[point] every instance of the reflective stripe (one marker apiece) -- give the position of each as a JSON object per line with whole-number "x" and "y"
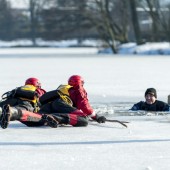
{"x": 93, "y": 114}
{"x": 28, "y": 88}
{"x": 33, "y": 101}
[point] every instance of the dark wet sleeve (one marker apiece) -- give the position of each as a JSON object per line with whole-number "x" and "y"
{"x": 166, "y": 107}
{"x": 136, "y": 106}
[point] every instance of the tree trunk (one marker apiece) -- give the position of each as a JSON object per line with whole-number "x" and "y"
{"x": 135, "y": 21}
{"x": 33, "y": 22}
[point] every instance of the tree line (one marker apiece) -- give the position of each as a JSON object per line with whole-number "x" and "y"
{"x": 112, "y": 21}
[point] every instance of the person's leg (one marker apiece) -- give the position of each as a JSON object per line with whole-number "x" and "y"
{"x": 77, "y": 121}
{"x": 81, "y": 121}
{"x": 32, "y": 119}
{"x": 9, "y": 114}
{"x": 64, "y": 113}
{"x": 12, "y": 113}
{"x": 71, "y": 119}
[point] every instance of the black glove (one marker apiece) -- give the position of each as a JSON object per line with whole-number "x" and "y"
{"x": 100, "y": 119}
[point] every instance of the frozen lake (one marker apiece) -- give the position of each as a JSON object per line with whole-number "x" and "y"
{"x": 112, "y": 82}
{"x": 108, "y": 78}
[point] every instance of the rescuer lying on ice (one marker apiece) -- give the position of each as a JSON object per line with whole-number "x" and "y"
{"x": 22, "y": 103}
{"x": 69, "y": 104}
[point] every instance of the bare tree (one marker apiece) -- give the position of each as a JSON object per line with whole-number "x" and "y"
{"x": 111, "y": 23}
{"x": 160, "y": 17}
{"x": 165, "y": 21}
{"x": 152, "y": 8}
{"x": 35, "y": 6}
{"x": 135, "y": 21}
{"x": 64, "y": 19}
{"x": 6, "y": 20}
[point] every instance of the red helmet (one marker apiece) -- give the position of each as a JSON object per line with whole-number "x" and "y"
{"x": 33, "y": 81}
{"x": 75, "y": 80}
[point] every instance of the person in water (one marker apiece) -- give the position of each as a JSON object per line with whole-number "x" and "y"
{"x": 151, "y": 103}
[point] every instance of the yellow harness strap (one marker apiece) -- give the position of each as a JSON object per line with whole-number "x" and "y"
{"x": 64, "y": 94}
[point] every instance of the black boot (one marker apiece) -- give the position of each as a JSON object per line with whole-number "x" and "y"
{"x": 50, "y": 121}
{"x": 61, "y": 118}
{"x": 5, "y": 117}
{"x": 0, "y": 112}
{"x": 9, "y": 114}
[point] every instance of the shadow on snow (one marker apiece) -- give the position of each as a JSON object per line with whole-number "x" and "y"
{"x": 81, "y": 143}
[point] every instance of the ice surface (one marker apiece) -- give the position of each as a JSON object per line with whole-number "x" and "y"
{"x": 112, "y": 82}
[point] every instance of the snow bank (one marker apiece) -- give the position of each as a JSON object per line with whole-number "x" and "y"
{"x": 162, "y": 48}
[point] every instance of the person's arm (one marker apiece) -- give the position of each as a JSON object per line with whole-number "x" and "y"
{"x": 136, "y": 106}
{"x": 82, "y": 102}
{"x": 166, "y": 107}
{"x": 80, "y": 99}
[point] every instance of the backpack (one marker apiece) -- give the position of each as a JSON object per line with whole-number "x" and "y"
{"x": 24, "y": 93}
{"x": 27, "y": 92}
{"x": 60, "y": 92}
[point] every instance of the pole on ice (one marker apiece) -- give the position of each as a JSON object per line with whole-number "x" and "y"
{"x": 116, "y": 121}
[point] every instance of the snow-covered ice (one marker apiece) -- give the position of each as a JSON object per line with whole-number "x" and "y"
{"x": 112, "y": 82}
{"x": 107, "y": 146}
